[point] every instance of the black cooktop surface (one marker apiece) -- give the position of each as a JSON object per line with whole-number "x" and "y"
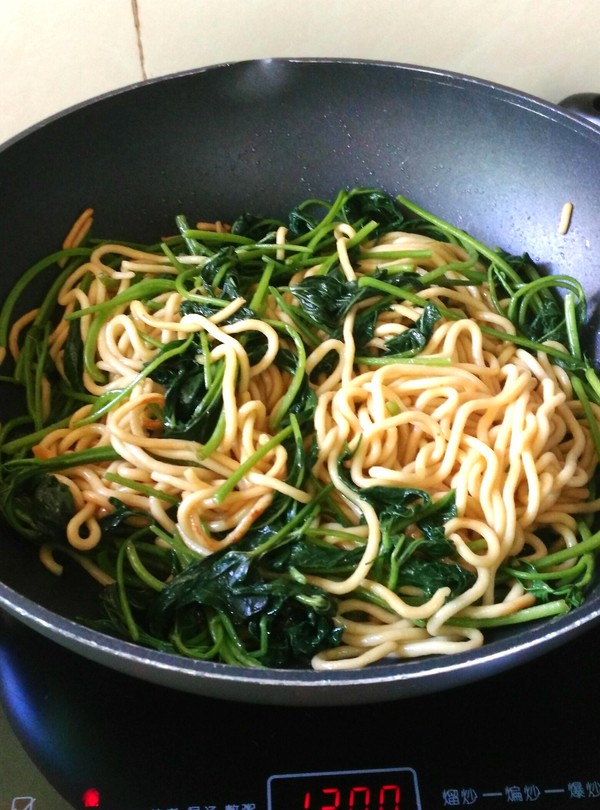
{"x": 525, "y": 738}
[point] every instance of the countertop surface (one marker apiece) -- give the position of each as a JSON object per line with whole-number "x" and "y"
{"x": 22, "y": 786}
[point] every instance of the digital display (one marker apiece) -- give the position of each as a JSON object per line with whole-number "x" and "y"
{"x": 382, "y": 789}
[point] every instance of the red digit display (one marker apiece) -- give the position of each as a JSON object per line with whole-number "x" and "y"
{"x": 360, "y": 798}
{"x": 389, "y": 797}
{"x": 331, "y": 793}
{"x": 384, "y": 789}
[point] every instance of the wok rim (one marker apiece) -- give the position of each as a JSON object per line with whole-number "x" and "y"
{"x": 392, "y": 680}
{"x": 531, "y": 100}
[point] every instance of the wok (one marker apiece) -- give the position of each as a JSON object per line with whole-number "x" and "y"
{"x": 261, "y": 136}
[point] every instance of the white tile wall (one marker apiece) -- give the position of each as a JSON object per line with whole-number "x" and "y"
{"x": 55, "y": 53}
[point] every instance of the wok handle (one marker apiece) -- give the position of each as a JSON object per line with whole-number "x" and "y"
{"x": 585, "y": 104}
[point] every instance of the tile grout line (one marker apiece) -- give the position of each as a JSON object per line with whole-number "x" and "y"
{"x": 138, "y": 34}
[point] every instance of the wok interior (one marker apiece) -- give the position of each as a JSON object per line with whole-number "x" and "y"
{"x": 262, "y": 136}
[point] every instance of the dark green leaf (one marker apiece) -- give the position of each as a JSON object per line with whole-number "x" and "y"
{"x": 430, "y": 575}
{"x": 255, "y": 227}
{"x": 373, "y": 204}
{"x": 73, "y": 357}
{"x": 327, "y": 299}
{"x": 191, "y": 410}
{"x": 118, "y": 520}
{"x": 298, "y": 618}
{"x": 312, "y": 558}
{"x": 416, "y": 337}
{"x": 38, "y": 506}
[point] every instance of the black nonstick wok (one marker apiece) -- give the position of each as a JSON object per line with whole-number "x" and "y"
{"x": 261, "y": 136}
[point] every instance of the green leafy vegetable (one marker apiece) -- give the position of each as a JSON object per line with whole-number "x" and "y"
{"x": 38, "y": 506}
{"x": 415, "y": 338}
{"x": 256, "y": 603}
{"x": 295, "y": 617}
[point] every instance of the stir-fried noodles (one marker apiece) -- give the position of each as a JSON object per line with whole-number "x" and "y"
{"x": 353, "y": 435}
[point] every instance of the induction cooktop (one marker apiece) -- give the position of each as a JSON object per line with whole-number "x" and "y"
{"x": 526, "y": 738}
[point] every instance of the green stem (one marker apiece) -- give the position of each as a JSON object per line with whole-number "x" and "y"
{"x": 66, "y": 461}
{"x": 401, "y": 293}
{"x": 396, "y": 359}
{"x": 31, "y": 439}
{"x": 591, "y": 377}
{"x": 26, "y": 279}
{"x": 140, "y": 569}
{"x": 326, "y": 224}
{"x": 541, "y": 576}
{"x": 149, "y": 288}
{"x": 130, "y": 623}
{"x": 437, "y": 276}
{"x": 224, "y": 237}
{"x": 557, "y": 607}
{"x": 258, "y": 299}
{"x": 571, "y": 323}
{"x": 396, "y": 254}
{"x": 89, "y": 348}
{"x": 209, "y": 447}
{"x": 245, "y": 467}
{"x": 528, "y": 344}
{"x": 362, "y": 234}
{"x": 588, "y": 545}
{"x": 302, "y": 517}
{"x": 293, "y": 388}
{"x": 137, "y": 486}
{"x": 462, "y": 237}
{"x": 194, "y": 247}
{"x": 108, "y": 401}
{"x": 296, "y": 315}
{"x": 581, "y": 394}
{"x": 184, "y": 554}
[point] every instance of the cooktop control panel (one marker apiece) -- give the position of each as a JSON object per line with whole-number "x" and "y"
{"x": 379, "y": 789}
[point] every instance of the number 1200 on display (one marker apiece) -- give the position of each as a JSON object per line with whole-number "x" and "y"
{"x": 383, "y": 789}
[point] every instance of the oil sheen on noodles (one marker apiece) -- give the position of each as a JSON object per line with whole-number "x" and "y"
{"x": 468, "y": 449}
